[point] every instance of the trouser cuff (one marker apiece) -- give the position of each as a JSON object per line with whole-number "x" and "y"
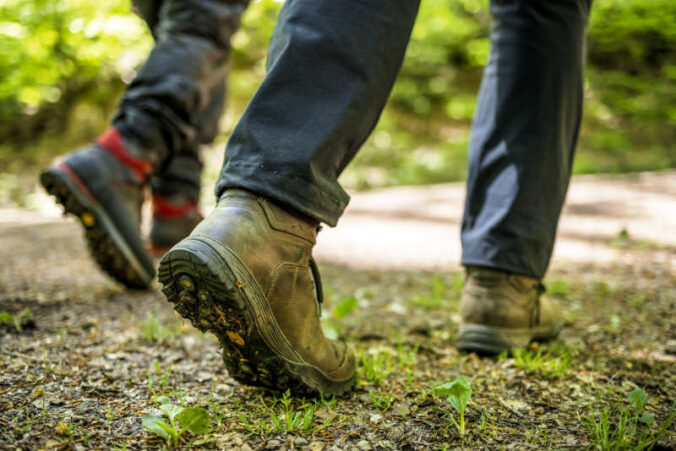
{"x": 294, "y": 193}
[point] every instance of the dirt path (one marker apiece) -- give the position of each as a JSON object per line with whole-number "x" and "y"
{"x": 90, "y": 358}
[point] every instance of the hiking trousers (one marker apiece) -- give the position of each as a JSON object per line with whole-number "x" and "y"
{"x": 175, "y": 102}
{"x": 330, "y": 69}
{"x": 331, "y": 66}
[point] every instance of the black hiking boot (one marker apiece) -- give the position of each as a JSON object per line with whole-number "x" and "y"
{"x": 102, "y": 184}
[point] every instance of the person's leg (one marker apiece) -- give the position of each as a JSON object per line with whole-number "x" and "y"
{"x": 521, "y": 154}
{"x": 246, "y": 273}
{"x": 331, "y": 67}
{"x": 158, "y": 118}
{"x": 177, "y": 184}
{"x": 176, "y": 189}
{"x": 524, "y": 134}
{"x": 159, "y": 114}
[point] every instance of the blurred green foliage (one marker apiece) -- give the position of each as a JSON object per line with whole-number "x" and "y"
{"x": 58, "y": 57}
{"x": 65, "y": 62}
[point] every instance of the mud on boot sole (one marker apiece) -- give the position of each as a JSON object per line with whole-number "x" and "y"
{"x": 106, "y": 244}
{"x": 211, "y": 287}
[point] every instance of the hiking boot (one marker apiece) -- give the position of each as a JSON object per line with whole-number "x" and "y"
{"x": 173, "y": 219}
{"x": 501, "y": 311}
{"x": 246, "y": 274}
{"x": 102, "y": 184}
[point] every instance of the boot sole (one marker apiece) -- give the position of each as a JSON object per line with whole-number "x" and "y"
{"x": 212, "y": 288}
{"x": 106, "y": 243}
{"x": 489, "y": 340}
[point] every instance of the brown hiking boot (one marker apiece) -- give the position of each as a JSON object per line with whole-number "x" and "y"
{"x": 246, "y": 275}
{"x": 502, "y": 311}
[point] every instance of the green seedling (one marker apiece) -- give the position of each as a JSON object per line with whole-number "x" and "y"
{"x": 630, "y": 427}
{"x": 434, "y": 299}
{"x": 154, "y": 330}
{"x": 17, "y": 320}
{"x": 180, "y": 419}
{"x": 288, "y": 420}
{"x": 376, "y": 367}
{"x": 65, "y": 429}
{"x": 27, "y": 425}
{"x": 285, "y": 415}
{"x": 457, "y": 393}
{"x": 110, "y": 415}
{"x": 381, "y": 402}
{"x": 558, "y": 288}
{"x": 552, "y": 363}
{"x": 333, "y": 323}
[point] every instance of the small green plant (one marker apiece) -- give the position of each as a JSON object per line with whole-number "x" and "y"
{"x": 285, "y": 415}
{"x": 381, "y": 402}
{"x": 154, "y": 330}
{"x": 558, "y": 288}
{"x": 180, "y": 419}
{"x": 487, "y": 426}
{"x": 406, "y": 359}
{"x": 163, "y": 377}
{"x": 288, "y": 420}
{"x": 457, "y": 393}
{"x": 630, "y": 427}
{"x": 65, "y": 429}
{"x": 432, "y": 300}
{"x": 110, "y": 415}
{"x": 376, "y": 367}
{"x": 602, "y": 292}
{"x": 27, "y": 426}
{"x": 552, "y": 363}
{"x": 537, "y": 435}
{"x": 333, "y": 324}
{"x": 17, "y": 320}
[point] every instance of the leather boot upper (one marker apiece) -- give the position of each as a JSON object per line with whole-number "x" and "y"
{"x": 276, "y": 247}
{"x": 500, "y": 299}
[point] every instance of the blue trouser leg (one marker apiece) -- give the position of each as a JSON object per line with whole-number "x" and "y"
{"x": 331, "y": 67}
{"x": 524, "y": 134}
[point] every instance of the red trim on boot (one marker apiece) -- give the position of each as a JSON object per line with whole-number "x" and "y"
{"x": 111, "y": 141}
{"x": 163, "y": 209}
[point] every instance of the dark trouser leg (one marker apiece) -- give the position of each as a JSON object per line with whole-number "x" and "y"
{"x": 331, "y": 67}
{"x": 524, "y": 134}
{"x": 180, "y": 178}
{"x": 162, "y": 112}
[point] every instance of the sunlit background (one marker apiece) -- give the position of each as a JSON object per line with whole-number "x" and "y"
{"x": 63, "y": 65}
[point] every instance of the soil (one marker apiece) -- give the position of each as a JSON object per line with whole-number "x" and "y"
{"x": 87, "y": 359}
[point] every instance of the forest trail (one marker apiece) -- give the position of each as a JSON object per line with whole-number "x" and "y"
{"x": 82, "y": 359}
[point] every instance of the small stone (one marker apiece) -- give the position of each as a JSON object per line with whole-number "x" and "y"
{"x": 300, "y": 441}
{"x": 375, "y": 418}
{"x": 363, "y": 445}
{"x": 395, "y": 434}
{"x": 272, "y": 444}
